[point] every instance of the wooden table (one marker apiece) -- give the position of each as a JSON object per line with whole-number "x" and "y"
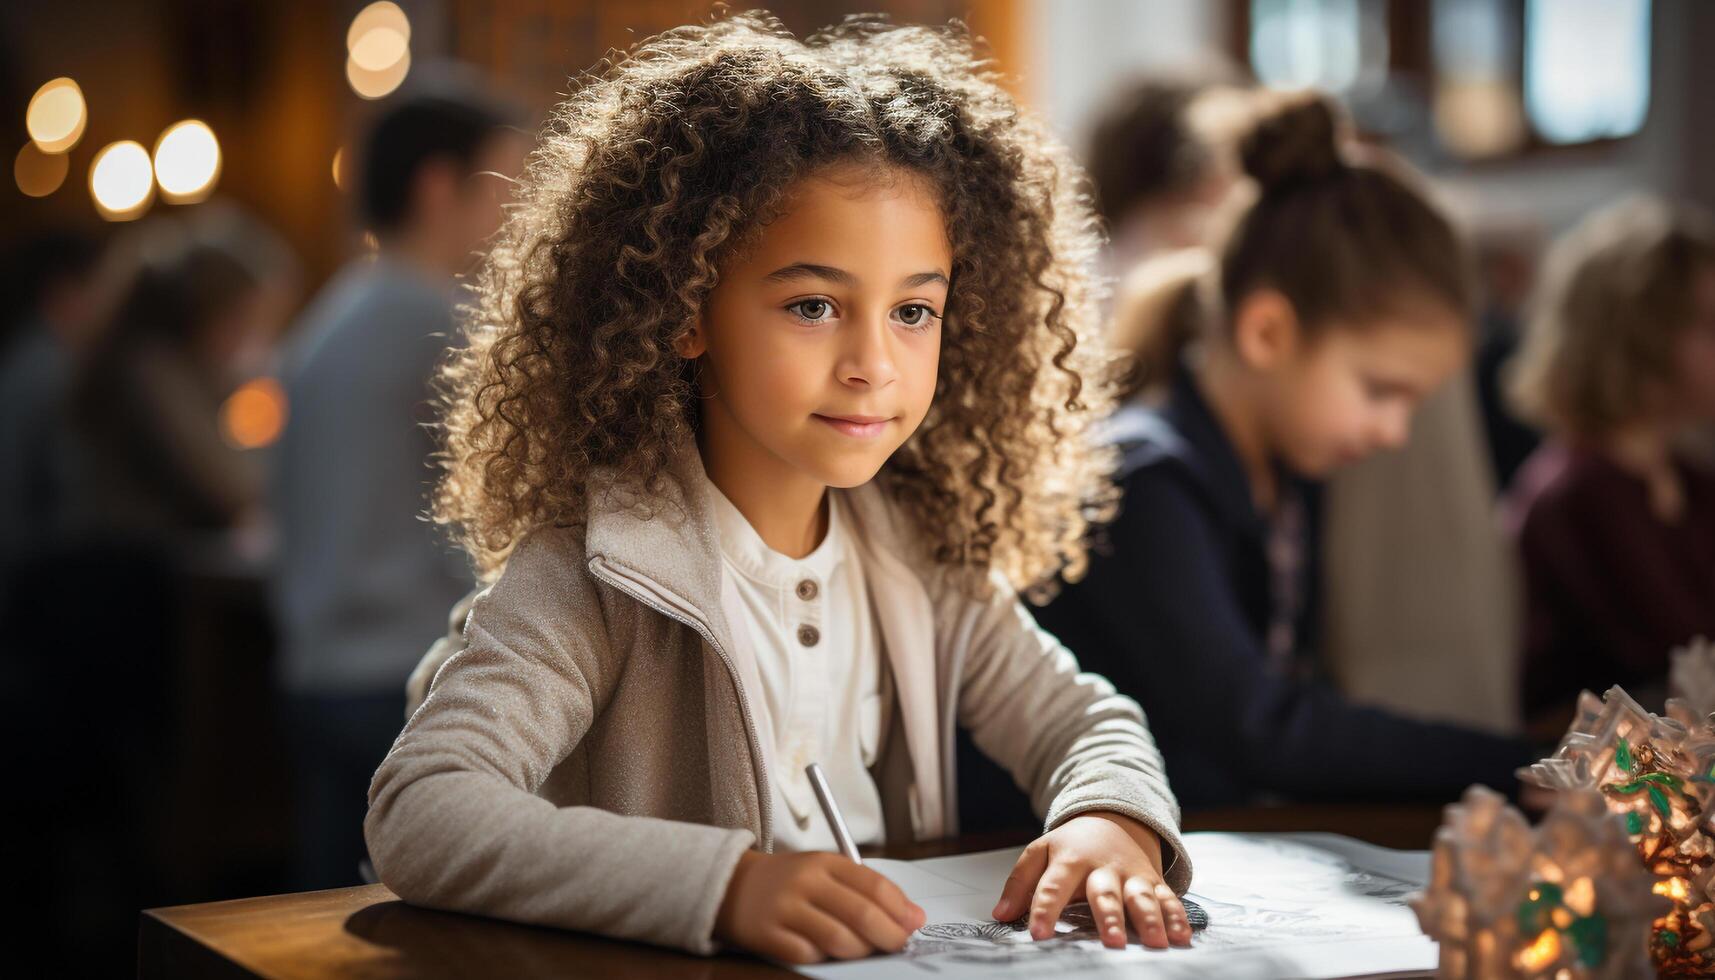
{"x": 366, "y": 932}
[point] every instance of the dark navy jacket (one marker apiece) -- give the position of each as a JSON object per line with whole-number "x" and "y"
{"x": 1174, "y": 611}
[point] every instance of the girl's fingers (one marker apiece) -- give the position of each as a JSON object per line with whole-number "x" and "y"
{"x": 831, "y": 936}
{"x": 1015, "y": 894}
{"x": 1102, "y": 891}
{"x": 1053, "y": 891}
{"x": 877, "y": 888}
{"x": 1173, "y": 911}
{"x": 789, "y": 947}
{"x": 874, "y": 924}
{"x": 1145, "y": 911}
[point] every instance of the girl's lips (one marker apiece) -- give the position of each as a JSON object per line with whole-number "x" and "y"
{"x": 857, "y": 426}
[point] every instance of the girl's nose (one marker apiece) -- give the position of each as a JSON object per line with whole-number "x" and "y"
{"x": 867, "y": 358}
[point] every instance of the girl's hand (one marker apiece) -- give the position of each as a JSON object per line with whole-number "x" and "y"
{"x": 1111, "y": 861}
{"x": 811, "y": 906}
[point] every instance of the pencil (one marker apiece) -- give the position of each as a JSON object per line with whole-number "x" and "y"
{"x": 830, "y": 809}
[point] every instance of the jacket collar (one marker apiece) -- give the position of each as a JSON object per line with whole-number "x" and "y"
{"x": 676, "y": 544}
{"x": 673, "y": 544}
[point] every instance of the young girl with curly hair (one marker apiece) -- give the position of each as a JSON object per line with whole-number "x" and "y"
{"x": 776, "y": 399}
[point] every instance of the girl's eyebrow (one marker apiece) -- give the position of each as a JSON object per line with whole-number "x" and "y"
{"x": 810, "y": 270}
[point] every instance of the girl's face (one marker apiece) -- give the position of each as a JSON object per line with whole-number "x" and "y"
{"x": 1334, "y": 398}
{"x": 822, "y": 339}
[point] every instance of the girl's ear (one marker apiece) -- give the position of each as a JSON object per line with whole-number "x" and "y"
{"x": 1266, "y": 331}
{"x": 693, "y": 343}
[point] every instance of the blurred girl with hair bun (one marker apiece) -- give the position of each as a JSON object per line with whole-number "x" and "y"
{"x": 1334, "y": 299}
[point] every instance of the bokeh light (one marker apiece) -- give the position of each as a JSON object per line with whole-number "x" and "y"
{"x": 379, "y": 46}
{"x": 375, "y": 84}
{"x": 339, "y": 168}
{"x": 255, "y": 414}
{"x": 187, "y": 161}
{"x": 56, "y": 116}
{"x": 381, "y": 16}
{"x": 379, "y": 49}
{"x": 39, "y": 174}
{"x": 122, "y": 180}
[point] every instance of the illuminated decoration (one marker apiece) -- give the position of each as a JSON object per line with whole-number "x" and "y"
{"x": 1658, "y": 775}
{"x": 187, "y": 161}
{"x": 1566, "y": 900}
{"x": 122, "y": 180}
{"x": 56, "y": 116}
{"x": 39, "y": 174}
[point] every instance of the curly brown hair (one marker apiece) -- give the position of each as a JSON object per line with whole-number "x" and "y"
{"x": 651, "y": 172}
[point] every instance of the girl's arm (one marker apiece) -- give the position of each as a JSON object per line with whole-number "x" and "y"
{"x": 454, "y": 822}
{"x": 1069, "y": 740}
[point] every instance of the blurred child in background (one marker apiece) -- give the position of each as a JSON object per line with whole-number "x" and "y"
{"x": 1614, "y": 516}
{"x": 1338, "y": 300}
{"x": 1160, "y": 163}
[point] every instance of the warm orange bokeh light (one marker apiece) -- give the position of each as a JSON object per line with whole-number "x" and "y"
{"x": 375, "y": 84}
{"x": 382, "y": 15}
{"x": 56, "y": 116}
{"x": 255, "y": 414}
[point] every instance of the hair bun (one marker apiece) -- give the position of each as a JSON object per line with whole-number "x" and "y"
{"x": 1295, "y": 140}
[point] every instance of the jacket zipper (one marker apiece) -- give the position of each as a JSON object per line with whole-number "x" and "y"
{"x": 638, "y": 587}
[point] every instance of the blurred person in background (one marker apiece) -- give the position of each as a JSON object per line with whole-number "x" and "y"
{"x": 1160, "y": 161}
{"x": 1614, "y": 517}
{"x": 363, "y": 581}
{"x": 151, "y": 461}
{"x": 1335, "y": 300}
{"x": 99, "y": 618}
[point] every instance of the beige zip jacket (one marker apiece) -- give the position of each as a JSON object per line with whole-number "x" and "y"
{"x": 589, "y": 760}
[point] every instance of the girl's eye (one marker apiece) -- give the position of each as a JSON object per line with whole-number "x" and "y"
{"x": 915, "y": 315}
{"x": 812, "y": 310}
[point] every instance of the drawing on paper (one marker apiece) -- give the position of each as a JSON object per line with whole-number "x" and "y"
{"x": 1000, "y": 944}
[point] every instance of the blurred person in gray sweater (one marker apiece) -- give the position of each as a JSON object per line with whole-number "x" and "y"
{"x": 363, "y": 580}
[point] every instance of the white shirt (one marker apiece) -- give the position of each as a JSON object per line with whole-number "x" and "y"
{"x": 806, "y": 629}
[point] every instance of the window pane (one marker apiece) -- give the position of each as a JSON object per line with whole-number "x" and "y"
{"x": 1336, "y": 45}
{"x": 1586, "y": 68}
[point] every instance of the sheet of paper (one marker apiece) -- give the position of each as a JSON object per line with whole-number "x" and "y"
{"x": 1310, "y": 906}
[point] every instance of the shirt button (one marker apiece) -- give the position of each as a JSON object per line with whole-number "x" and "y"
{"x": 807, "y": 589}
{"x": 808, "y": 635}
